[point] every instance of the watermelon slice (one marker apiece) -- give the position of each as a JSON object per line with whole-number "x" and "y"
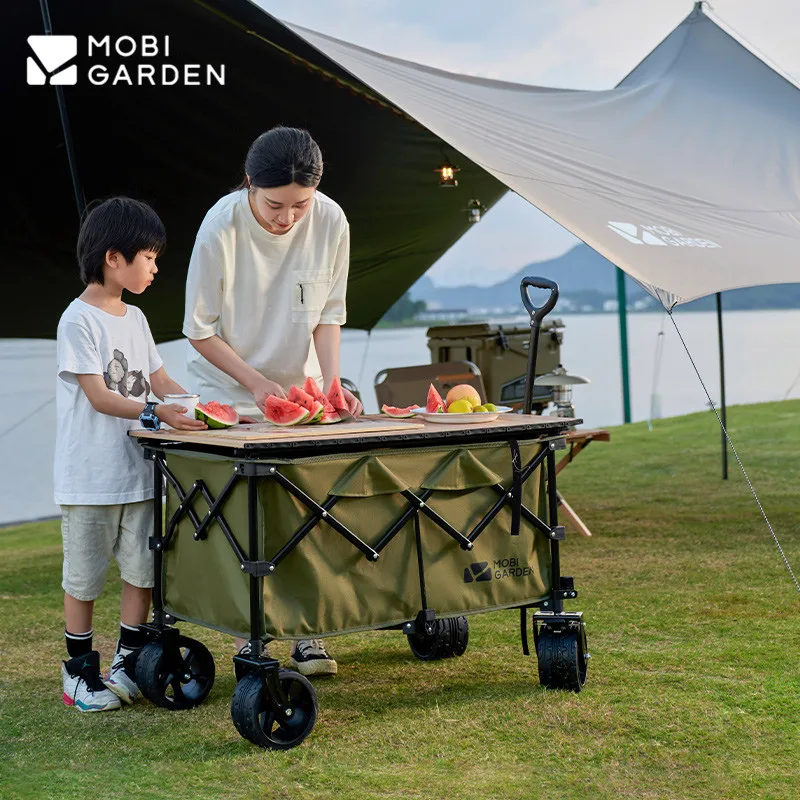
{"x": 216, "y": 415}
{"x": 284, "y": 412}
{"x": 336, "y": 395}
{"x": 314, "y": 407}
{"x": 329, "y": 413}
{"x": 435, "y": 403}
{"x": 399, "y": 413}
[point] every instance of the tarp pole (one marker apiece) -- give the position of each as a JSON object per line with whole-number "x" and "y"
{"x": 80, "y": 200}
{"x": 722, "y": 388}
{"x": 622, "y": 308}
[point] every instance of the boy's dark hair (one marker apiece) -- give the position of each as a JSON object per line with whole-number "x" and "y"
{"x": 282, "y": 156}
{"x": 119, "y": 223}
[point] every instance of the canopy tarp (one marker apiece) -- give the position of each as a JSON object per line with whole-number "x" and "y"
{"x": 686, "y": 175}
{"x": 182, "y": 147}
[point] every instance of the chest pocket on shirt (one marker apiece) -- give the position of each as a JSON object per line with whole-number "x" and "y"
{"x": 309, "y": 297}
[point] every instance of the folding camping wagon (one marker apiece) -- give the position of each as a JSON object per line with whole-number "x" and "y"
{"x": 305, "y": 532}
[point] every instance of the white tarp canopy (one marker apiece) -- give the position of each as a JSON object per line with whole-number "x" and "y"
{"x": 686, "y": 175}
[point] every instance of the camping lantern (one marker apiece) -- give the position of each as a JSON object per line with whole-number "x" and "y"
{"x": 448, "y": 173}
{"x": 562, "y": 384}
{"x": 474, "y": 209}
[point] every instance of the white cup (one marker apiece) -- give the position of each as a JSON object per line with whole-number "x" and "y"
{"x": 189, "y": 401}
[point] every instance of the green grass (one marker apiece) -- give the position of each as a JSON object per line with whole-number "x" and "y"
{"x": 693, "y": 690}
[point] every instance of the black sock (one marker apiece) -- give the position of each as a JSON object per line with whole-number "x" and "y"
{"x": 130, "y": 638}
{"x": 78, "y": 644}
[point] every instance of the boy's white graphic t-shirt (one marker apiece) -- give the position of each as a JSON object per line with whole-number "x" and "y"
{"x": 264, "y": 293}
{"x": 96, "y": 462}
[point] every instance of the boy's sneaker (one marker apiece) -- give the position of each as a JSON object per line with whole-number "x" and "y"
{"x": 83, "y": 686}
{"x": 122, "y": 675}
{"x": 311, "y": 658}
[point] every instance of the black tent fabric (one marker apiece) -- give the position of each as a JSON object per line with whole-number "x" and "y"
{"x": 180, "y": 148}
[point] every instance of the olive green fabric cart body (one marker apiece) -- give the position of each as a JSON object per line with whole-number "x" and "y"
{"x": 326, "y": 585}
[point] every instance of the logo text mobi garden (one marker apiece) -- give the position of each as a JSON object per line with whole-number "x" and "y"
{"x": 145, "y": 60}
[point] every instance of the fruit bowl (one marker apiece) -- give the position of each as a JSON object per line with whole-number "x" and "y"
{"x": 470, "y": 418}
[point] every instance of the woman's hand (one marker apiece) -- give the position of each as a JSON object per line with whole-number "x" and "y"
{"x": 353, "y": 403}
{"x": 174, "y": 415}
{"x": 264, "y": 389}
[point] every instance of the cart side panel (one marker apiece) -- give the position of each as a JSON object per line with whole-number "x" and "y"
{"x": 502, "y": 569}
{"x": 326, "y": 585}
{"x": 203, "y": 580}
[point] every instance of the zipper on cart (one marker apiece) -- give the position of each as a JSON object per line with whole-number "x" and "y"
{"x": 301, "y": 293}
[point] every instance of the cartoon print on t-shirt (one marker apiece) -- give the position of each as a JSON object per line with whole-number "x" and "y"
{"x": 118, "y": 379}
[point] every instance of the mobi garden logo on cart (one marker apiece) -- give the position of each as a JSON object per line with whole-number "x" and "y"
{"x": 500, "y": 568}
{"x": 124, "y": 60}
{"x": 657, "y": 235}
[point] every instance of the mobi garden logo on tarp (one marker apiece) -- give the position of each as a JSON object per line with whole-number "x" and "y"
{"x": 124, "y": 60}
{"x": 657, "y": 235}
{"x": 50, "y": 61}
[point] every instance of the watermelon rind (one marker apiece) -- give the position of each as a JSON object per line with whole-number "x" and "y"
{"x": 205, "y": 414}
{"x": 399, "y": 413}
{"x": 315, "y": 415}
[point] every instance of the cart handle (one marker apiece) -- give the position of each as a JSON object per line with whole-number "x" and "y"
{"x": 538, "y": 313}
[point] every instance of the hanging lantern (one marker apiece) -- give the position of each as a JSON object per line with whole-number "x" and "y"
{"x": 448, "y": 173}
{"x": 474, "y": 209}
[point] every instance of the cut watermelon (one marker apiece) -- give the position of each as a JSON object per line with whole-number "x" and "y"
{"x": 283, "y": 412}
{"x": 435, "y": 403}
{"x": 336, "y": 395}
{"x": 314, "y": 407}
{"x": 329, "y": 413}
{"x": 216, "y": 415}
{"x": 399, "y": 413}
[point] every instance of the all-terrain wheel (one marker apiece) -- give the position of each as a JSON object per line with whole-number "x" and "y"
{"x": 563, "y": 656}
{"x": 449, "y": 638}
{"x": 175, "y": 681}
{"x": 256, "y": 718}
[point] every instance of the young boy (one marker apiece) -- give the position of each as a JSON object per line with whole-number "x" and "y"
{"x": 107, "y": 367}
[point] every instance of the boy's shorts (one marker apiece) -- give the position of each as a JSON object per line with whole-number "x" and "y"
{"x": 92, "y": 534}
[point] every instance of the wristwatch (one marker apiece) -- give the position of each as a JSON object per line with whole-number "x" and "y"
{"x": 148, "y": 417}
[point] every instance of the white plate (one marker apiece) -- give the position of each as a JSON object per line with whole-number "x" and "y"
{"x": 474, "y": 417}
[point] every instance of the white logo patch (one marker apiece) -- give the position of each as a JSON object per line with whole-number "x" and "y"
{"x": 657, "y": 235}
{"x": 53, "y": 54}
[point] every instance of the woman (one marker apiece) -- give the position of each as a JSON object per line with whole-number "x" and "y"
{"x": 265, "y": 293}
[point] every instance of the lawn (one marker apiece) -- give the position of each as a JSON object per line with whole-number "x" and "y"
{"x": 693, "y": 689}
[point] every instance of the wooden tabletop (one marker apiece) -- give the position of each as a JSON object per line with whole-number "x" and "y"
{"x": 366, "y": 428}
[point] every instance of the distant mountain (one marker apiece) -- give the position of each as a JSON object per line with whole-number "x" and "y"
{"x": 586, "y": 281}
{"x": 581, "y": 272}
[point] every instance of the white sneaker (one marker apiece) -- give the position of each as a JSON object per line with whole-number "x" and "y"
{"x": 311, "y": 658}
{"x": 83, "y": 686}
{"x": 122, "y": 675}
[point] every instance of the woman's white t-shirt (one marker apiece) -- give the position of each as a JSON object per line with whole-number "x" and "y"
{"x": 96, "y": 462}
{"x": 264, "y": 294}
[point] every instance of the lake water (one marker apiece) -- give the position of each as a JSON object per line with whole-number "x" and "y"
{"x": 762, "y": 362}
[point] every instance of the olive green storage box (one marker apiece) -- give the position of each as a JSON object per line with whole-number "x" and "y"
{"x": 326, "y": 585}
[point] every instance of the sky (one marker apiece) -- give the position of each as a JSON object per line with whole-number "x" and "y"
{"x": 578, "y": 44}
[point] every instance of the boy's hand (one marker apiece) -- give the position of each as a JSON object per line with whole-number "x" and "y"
{"x": 173, "y": 415}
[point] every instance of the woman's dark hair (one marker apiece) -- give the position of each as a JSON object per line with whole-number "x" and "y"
{"x": 119, "y": 223}
{"x": 282, "y": 156}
